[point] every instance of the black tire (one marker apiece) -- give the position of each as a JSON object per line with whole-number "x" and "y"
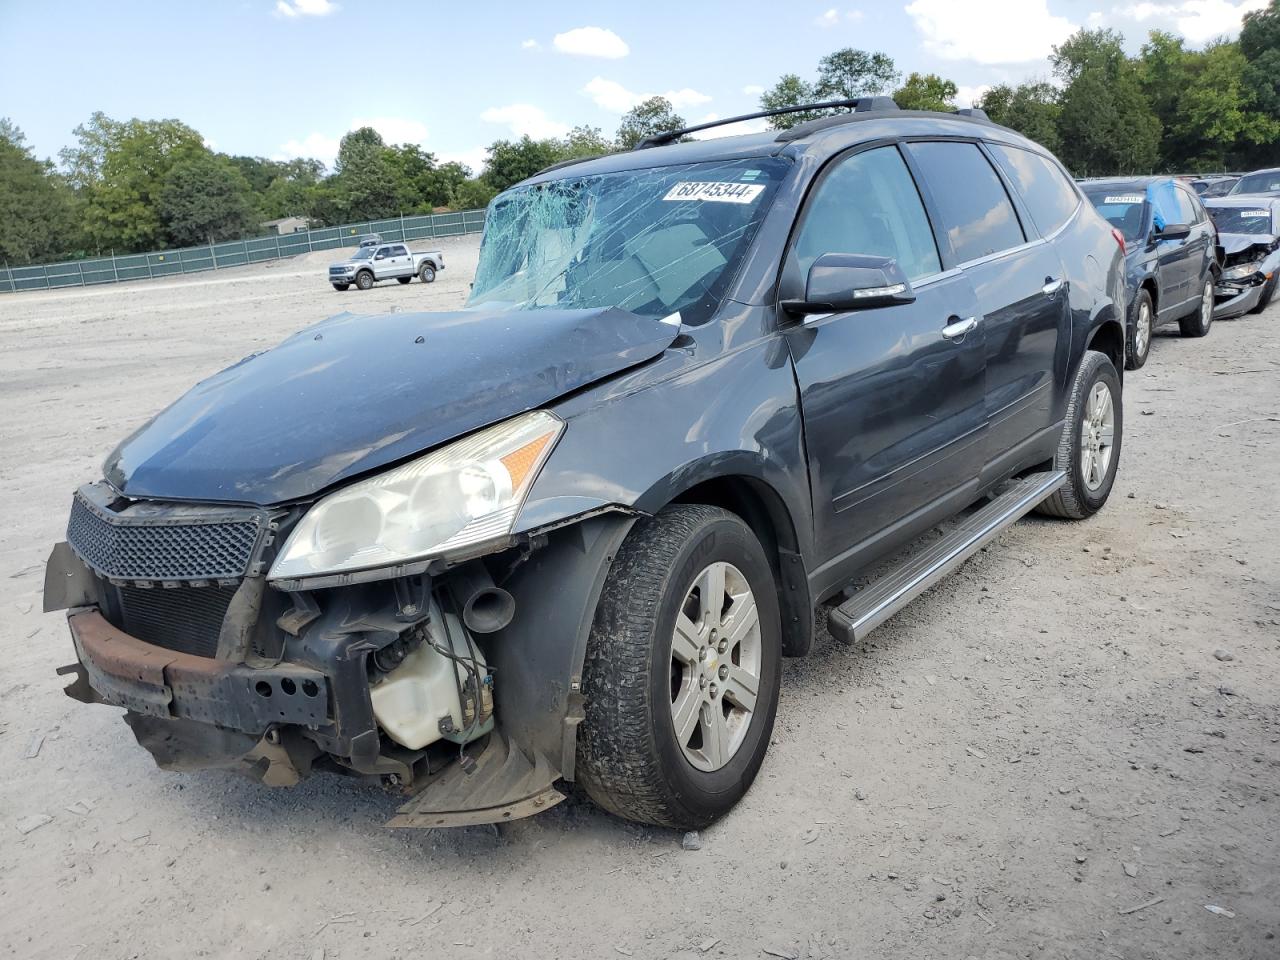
{"x": 1197, "y": 324}
{"x": 427, "y": 274}
{"x": 629, "y": 759}
{"x": 1268, "y": 293}
{"x": 403, "y": 279}
{"x": 1075, "y": 500}
{"x": 341, "y": 287}
{"x": 364, "y": 280}
{"x": 1134, "y": 358}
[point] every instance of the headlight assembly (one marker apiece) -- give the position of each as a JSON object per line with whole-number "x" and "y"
{"x": 464, "y": 493}
{"x": 1241, "y": 271}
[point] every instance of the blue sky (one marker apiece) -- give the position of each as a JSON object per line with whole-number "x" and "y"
{"x": 282, "y": 78}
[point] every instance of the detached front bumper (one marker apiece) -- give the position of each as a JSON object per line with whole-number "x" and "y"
{"x": 1233, "y": 298}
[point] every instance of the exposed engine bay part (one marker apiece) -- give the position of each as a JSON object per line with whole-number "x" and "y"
{"x": 485, "y": 608}
{"x": 440, "y": 689}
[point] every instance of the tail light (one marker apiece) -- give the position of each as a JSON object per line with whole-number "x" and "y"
{"x": 1119, "y": 239}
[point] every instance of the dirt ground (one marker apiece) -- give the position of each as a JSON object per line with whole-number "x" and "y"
{"x": 1070, "y": 749}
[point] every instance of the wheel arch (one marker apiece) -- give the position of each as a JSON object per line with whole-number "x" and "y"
{"x": 1107, "y": 337}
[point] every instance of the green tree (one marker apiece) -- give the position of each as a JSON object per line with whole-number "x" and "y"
{"x": 790, "y": 91}
{"x": 37, "y": 219}
{"x": 849, "y": 73}
{"x": 926, "y": 91}
{"x": 511, "y": 161}
{"x": 1030, "y": 108}
{"x": 1215, "y": 119}
{"x": 1260, "y": 44}
{"x": 1105, "y": 125}
{"x": 366, "y": 185}
{"x": 206, "y": 200}
{"x": 584, "y": 141}
{"x": 472, "y": 195}
{"x": 654, "y": 116}
{"x": 121, "y": 167}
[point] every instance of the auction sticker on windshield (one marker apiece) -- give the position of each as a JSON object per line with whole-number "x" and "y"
{"x": 1125, "y": 198}
{"x": 715, "y": 191}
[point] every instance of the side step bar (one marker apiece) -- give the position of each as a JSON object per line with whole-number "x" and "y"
{"x": 878, "y": 601}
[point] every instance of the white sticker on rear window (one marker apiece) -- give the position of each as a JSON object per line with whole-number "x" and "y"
{"x": 1255, "y": 213}
{"x": 1125, "y": 198}
{"x": 715, "y": 191}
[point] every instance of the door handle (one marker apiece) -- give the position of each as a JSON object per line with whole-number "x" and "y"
{"x": 958, "y": 329}
{"x": 1051, "y": 286}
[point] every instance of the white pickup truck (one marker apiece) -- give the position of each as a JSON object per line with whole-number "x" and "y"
{"x": 386, "y": 261}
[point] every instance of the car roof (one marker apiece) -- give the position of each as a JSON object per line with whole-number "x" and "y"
{"x": 823, "y": 136}
{"x": 1121, "y": 183}
{"x": 1243, "y": 200}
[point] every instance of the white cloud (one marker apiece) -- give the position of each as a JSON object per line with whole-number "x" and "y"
{"x": 967, "y": 96}
{"x": 530, "y": 45}
{"x": 833, "y": 16}
{"x": 1197, "y": 20}
{"x": 614, "y": 97}
{"x": 990, "y": 31}
{"x": 394, "y": 129}
{"x": 592, "y": 42}
{"x": 317, "y": 145}
{"x": 525, "y": 119}
{"x": 305, "y": 8}
{"x": 474, "y": 158}
{"x": 753, "y": 89}
{"x": 729, "y": 129}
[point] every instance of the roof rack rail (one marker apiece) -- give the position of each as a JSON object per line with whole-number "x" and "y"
{"x": 976, "y": 112}
{"x": 859, "y": 104}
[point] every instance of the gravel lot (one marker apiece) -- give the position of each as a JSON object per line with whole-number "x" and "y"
{"x": 1068, "y": 750}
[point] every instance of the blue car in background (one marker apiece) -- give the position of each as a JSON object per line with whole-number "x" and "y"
{"x": 1170, "y": 256}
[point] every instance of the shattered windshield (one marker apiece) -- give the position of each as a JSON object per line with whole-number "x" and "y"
{"x": 1241, "y": 220}
{"x": 653, "y": 241}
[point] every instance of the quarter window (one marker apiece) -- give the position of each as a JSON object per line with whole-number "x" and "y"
{"x": 1049, "y": 196}
{"x": 869, "y": 204}
{"x": 1188, "y": 209}
{"x": 976, "y": 212}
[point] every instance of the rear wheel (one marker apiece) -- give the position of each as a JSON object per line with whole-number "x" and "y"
{"x": 1140, "y": 334}
{"x": 364, "y": 280}
{"x": 1197, "y": 324}
{"x": 1089, "y": 451}
{"x": 682, "y": 670}
{"x": 427, "y": 274}
{"x": 340, "y": 287}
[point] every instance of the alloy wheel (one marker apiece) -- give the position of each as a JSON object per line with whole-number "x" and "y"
{"x": 715, "y": 666}
{"x": 1142, "y": 331}
{"x": 1097, "y": 436}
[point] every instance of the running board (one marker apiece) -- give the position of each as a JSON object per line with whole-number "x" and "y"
{"x": 881, "y": 599}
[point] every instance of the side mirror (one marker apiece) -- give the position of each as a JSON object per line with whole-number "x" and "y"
{"x": 380, "y": 255}
{"x": 839, "y": 282}
{"x": 1173, "y": 231}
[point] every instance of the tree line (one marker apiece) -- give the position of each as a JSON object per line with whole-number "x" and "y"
{"x": 135, "y": 185}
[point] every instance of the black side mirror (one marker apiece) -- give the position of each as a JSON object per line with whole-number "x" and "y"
{"x": 1173, "y": 231}
{"x": 839, "y": 282}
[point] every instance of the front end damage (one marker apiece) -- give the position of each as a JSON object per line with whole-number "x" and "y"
{"x": 456, "y": 684}
{"x": 1248, "y": 264}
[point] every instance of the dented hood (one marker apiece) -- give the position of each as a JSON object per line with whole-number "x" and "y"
{"x": 1232, "y": 243}
{"x": 356, "y": 393}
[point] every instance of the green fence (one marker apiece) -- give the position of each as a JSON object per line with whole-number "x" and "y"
{"x": 235, "y": 253}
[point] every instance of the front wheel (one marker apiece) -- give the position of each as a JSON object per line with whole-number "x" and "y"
{"x": 427, "y": 274}
{"x": 1197, "y": 324}
{"x": 1089, "y": 451}
{"x": 682, "y": 670}
{"x": 364, "y": 280}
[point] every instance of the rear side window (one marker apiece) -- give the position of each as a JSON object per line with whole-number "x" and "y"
{"x": 399, "y": 252}
{"x": 976, "y": 212}
{"x": 1044, "y": 188}
{"x": 868, "y": 203}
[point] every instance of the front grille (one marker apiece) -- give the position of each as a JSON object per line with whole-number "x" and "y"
{"x": 123, "y": 548}
{"x": 185, "y": 619}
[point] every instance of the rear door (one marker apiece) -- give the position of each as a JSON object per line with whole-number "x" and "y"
{"x": 1019, "y": 282}
{"x": 893, "y": 408}
{"x": 1201, "y": 243}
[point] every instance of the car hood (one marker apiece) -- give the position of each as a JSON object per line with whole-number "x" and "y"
{"x": 356, "y": 393}
{"x": 1232, "y": 243}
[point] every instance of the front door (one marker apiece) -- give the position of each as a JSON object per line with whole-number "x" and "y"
{"x": 892, "y": 400}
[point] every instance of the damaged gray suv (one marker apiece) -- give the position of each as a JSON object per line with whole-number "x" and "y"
{"x": 568, "y": 532}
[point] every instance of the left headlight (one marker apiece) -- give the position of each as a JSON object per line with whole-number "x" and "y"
{"x": 462, "y": 494}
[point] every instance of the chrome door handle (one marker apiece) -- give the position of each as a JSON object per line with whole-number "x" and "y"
{"x": 1051, "y": 287}
{"x": 957, "y": 330}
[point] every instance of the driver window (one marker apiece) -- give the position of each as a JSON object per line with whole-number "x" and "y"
{"x": 381, "y": 254}
{"x": 869, "y": 204}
